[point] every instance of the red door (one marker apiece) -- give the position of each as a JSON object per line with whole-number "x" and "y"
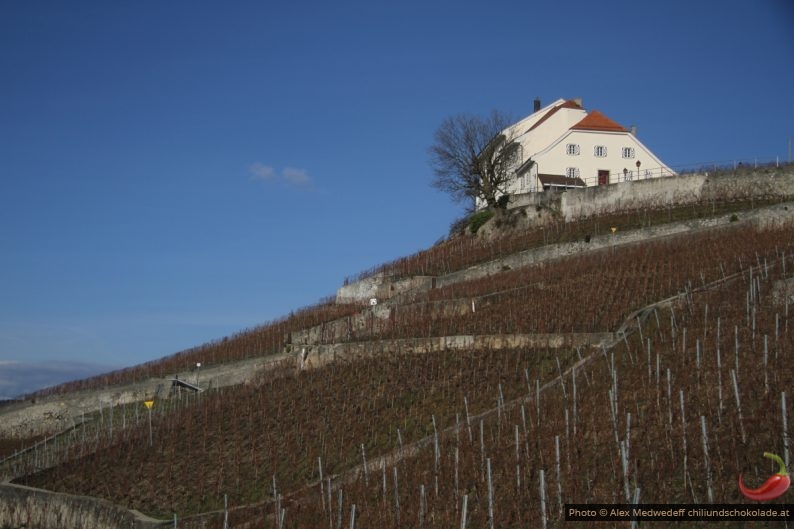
{"x": 603, "y": 177}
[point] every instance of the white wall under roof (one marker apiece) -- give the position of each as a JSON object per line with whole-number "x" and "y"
{"x": 546, "y": 147}
{"x": 556, "y": 160}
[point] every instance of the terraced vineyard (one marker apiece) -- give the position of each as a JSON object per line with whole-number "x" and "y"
{"x": 688, "y": 396}
{"x": 689, "y": 391}
{"x": 443, "y": 258}
{"x": 458, "y": 253}
{"x": 587, "y": 293}
{"x": 266, "y": 339}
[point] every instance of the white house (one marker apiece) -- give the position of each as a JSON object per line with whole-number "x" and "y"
{"x": 562, "y": 146}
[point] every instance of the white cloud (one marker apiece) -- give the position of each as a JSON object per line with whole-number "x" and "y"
{"x": 291, "y": 176}
{"x": 298, "y": 177}
{"x": 260, "y": 171}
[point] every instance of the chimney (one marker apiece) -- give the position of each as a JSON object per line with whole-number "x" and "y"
{"x": 537, "y": 104}
{"x": 578, "y": 101}
{"x": 634, "y": 130}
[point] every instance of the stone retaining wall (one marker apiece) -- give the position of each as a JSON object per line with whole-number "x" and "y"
{"x": 763, "y": 183}
{"x": 369, "y": 320}
{"x": 57, "y": 412}
{"x": 319, "y": 355}
{"x": 29, "y": 508}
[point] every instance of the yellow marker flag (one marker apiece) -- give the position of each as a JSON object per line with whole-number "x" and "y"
{"x": 148, "y": 403}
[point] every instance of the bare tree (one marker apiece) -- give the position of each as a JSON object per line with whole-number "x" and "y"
{"x": 473, "y": 157}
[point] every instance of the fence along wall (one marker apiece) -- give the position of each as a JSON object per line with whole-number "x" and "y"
{"x": 41, "y": 509}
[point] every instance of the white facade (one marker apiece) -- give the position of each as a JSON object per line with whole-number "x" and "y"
{"x": 562, "y": 146}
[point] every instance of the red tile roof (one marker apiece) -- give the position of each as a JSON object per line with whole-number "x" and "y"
{"x": 595, "y": 120}
{"x": 568, "y": 104}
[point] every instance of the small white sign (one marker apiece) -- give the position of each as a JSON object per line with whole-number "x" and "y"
{"x": 373, "y": 301}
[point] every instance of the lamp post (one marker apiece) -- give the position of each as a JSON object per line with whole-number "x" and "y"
{"x": 198, "y": 369}
{"x": 625, "y": 174}
{"x": 638, "y": 169}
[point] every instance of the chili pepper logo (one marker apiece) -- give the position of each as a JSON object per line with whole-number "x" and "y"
{"x": 776, "y": 485}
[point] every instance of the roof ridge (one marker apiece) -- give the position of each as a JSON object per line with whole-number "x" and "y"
{"x": 596, "y": 120}
{"x": 568, "y": 103}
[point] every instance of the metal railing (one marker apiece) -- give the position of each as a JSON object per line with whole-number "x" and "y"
{"x": 723, "y": 166}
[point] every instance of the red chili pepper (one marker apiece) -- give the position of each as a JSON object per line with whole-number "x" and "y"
{"x": 776, "y": 485}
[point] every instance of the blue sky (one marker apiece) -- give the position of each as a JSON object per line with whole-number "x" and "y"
{"x": 173, "y": 172}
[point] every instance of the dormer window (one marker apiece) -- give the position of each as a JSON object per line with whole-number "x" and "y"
{"x": 572, "y": 149}
{"x": 628, "y": 152}
{"x": 600, "y": 151}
